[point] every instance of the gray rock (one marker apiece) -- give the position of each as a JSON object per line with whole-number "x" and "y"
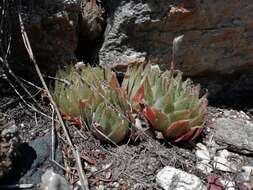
{"x": 171, "y": 178}
{"x": 53, "y": 181}
{"x": 38, "y": 154}
{"x": 237, "y": 134}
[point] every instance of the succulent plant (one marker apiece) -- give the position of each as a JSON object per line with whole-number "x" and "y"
{"x": 71, "y": 87}
{"x": 106, "y": 113}
{"x": 96, "y": 96}
{"x": 171, "y": 105}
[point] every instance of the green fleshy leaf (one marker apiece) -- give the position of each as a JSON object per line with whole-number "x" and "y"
{"x": 148, "y": 92}
{"x": 179, "y": 115}
{"x": 162, "y": 121}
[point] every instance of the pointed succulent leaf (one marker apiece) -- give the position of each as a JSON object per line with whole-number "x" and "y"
{"x": 190, "y": 135}
{"x": 139, "y": 96}
{"x": 150, "y": 115}
{"x": 176, "y": 129}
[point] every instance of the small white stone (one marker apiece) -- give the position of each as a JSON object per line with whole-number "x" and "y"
{"x": 100, "y": 187}
{"x": 202, "y": 153}
{"x": 205, "y": 166}
{"x": 228, "y": 185}
{"x": 116, "y": 184}
{"x": 93, "y": 169}
{"x": 246, "y": 173}
{"x": 171, "y": 178}
{"x": 53, "y": 181}
{"x": 227, "y": 113}
{"x": 223, "y": 153}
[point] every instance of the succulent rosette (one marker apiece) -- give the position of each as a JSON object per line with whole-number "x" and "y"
{"x": 171, "y": 105}
{"x": 94, "y": 94}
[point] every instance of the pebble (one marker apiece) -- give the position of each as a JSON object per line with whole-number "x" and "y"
{"x": 236, "y": 134}
{"x": 204, "y": 166}
{"x": 202, "y": 153}
{"x": 53, "y": 181}
{"x": 246, "y": 174}
{"x": 228, "y": 185}
{"x": 171, "y": 178}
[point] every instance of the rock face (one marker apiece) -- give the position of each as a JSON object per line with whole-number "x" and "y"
{"x": 172, "y": 178}
{"x": 236, "y": 134}
{"x": 41, "y": 148}
{"x": 52, "y": 30}
{"x": 60, "y": 31}
{"x": 91, "y": 28}
{"x": 215, "y": 49}
{"x": 217, "y": 40}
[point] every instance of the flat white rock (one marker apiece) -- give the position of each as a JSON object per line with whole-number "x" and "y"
{"x": 170, "y": 178}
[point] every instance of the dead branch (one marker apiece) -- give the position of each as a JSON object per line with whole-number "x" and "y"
{"x": 83, "y": 178}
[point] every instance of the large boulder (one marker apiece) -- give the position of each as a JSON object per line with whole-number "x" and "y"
{"x": 236, "y": 134}
{"x": 215, "y": 49}
{"x": 51, "y": 26}
{"x": 60, "y": 32}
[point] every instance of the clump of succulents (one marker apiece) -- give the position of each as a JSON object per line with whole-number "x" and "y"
{"x": 96, "y": 96}
{"x": 73, "y": 85}
{"x": 171, "y": 105}
{"x": 107, "y": 111}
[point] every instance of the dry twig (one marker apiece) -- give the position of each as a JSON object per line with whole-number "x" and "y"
{"x": 53, "y": 135}
{"x": 26, "y": 41}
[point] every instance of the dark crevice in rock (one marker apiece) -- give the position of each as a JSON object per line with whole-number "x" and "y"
{"x": 229, "y": 91}
{"x": 91, "y": 27}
